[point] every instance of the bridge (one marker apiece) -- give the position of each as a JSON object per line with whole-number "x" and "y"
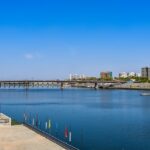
{"x": 58, "y": 83}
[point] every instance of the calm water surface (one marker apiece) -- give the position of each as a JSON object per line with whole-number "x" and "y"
{"x": 98, "y": 119}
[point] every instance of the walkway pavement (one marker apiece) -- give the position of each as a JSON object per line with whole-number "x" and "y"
{"x": 21, "y": 138}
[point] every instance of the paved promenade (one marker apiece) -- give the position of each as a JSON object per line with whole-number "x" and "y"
{"x": 21, "y": 138}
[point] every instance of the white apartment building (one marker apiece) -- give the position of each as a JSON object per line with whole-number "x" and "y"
{"x": 129, "y": 74}
{"x": 123, "y": 75}
{"x": 76, "y": 77}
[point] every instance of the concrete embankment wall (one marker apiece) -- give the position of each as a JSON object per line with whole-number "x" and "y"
{"x": 138, "y": 86}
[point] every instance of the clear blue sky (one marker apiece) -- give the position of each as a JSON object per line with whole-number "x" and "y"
{"x": 49, "y": 39}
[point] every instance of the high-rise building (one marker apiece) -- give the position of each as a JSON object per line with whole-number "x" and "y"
{"x": 106, "y": 75}
{"x": 145, "y": 72}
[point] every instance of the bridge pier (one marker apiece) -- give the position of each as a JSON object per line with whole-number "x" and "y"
{"x": 61, "y": 85}
{"x": 95, "y": 85}
{"x": 26, "y": 85}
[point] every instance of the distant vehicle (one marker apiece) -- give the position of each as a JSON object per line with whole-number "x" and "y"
{"x": 145, "y": 94}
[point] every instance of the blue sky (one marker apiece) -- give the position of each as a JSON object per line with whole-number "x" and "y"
{"x": 47, "y": 39}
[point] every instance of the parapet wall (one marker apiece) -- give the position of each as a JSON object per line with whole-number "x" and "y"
{"x": 5, "y": 120}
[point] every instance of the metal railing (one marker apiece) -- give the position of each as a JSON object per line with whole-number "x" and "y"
{"x": 51, "y": 138}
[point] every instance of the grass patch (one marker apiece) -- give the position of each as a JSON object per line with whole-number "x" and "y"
{"x": 14, "y": 122}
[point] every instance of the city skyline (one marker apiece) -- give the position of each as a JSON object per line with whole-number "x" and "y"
{"x": 50, "y": 40}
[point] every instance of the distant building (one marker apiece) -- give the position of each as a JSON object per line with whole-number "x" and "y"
{"x": 123, "y": 75}
{"x": 145, "y": 72}
{"x": 129, "y": 74}
{"x": 106, "y": 75}
{"x": 138, "y": 74}
{"x": 77, "y": 77}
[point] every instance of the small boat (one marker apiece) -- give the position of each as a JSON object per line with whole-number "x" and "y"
{"x": 145, "y": 94}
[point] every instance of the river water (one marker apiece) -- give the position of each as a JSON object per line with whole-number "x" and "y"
{"x": 97, "y": 119}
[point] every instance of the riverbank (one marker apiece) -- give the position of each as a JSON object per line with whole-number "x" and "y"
{"x": 21, "y": 138}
